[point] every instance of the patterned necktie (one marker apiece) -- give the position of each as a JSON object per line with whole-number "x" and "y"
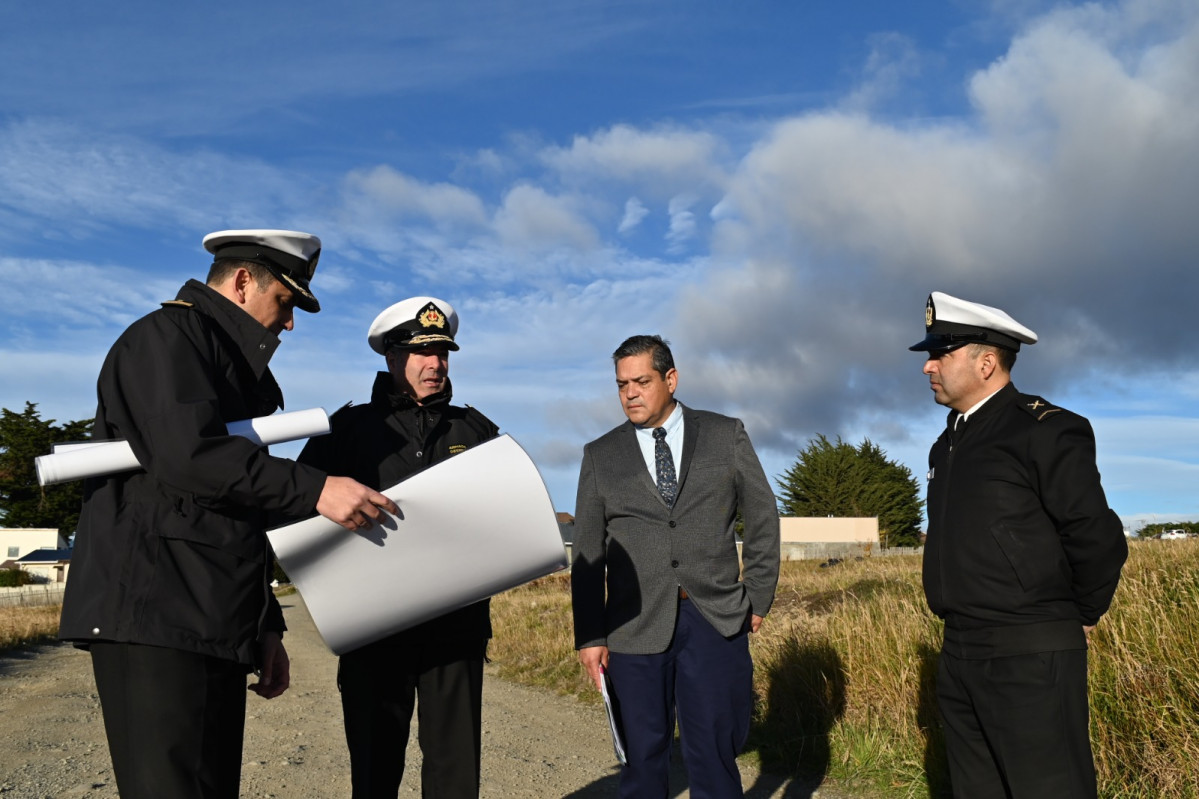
{"x": 668, "y": 484}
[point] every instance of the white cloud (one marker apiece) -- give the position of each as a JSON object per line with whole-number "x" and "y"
{"x": 634, "y": 213}
{"x": 532, "y": 219}
{"x": 68, "y": 295}
{"x": 390, "y": 192}
{"x": 893, "y": 60}
{"x": 95, "y": 180}
{"x": 658, "y": 162}
{"x": 682, "y": 223}
{"x": 1067, "y": 202}
{"x": 1065, "y": 194}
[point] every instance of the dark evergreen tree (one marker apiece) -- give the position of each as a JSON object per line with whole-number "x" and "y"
{"x": 23, "y": 503}
{"x": 839, "y": 479}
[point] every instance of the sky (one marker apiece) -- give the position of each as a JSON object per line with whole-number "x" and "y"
{"x": 775, "y": 187}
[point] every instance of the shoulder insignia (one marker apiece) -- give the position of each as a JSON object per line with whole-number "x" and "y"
{"x": 1037, "y": 407}
{"x": 178, "y": 304}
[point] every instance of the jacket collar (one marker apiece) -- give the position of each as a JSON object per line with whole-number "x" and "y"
{"x": 999, "y": 399}
{"x": 384, "y": 395}
{"x": 255, "y": 342}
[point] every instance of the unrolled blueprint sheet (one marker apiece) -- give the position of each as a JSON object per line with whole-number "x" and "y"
{"x": 469, "y": 527}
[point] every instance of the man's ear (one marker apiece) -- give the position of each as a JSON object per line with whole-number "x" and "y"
{"x": 243, "y": 283}
{"x": 988, "y": 362}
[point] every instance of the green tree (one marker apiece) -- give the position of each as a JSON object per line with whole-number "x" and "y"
{"x": 839, "y": 479}
{"x": 23, "y": 503}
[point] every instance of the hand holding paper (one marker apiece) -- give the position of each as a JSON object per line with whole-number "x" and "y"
{"x": 353, "y": 505}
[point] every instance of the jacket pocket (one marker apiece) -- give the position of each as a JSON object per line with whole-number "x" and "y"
{"x": 208, "y": 588}
{"x": 187, "y": 521}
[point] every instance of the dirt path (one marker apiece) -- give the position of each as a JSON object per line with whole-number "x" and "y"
{"x": 534, "y": 744}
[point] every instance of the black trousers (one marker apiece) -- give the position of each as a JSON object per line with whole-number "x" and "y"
{"x": 1016, "y": 727}
{"x": 174, "y": 721}
{"x": 381, "y": 684}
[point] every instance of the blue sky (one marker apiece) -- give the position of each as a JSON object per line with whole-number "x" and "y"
{"x": 774, "y": 187}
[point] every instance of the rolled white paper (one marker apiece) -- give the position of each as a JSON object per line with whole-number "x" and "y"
{"x": 95, "y": 458}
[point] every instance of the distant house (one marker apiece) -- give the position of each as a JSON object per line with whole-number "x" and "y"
{"x": 47, "y": 565}
{"x": 805, "y": 537}
{"x": 566, "y": 529}
{"x": 16, "y": 542}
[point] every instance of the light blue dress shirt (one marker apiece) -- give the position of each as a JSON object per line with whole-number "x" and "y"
{"x": 674, "y": 438}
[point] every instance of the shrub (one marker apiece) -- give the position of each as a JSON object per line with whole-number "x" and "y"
{"x": 11, "y": 578}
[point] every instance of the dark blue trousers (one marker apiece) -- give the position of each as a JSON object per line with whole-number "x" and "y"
{"x": 708, "y": 680}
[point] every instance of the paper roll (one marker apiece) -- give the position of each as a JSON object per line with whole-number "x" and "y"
{"x": 93, "y": 459}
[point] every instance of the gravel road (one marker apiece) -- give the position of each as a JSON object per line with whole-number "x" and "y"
{"x": 535, "y": 744}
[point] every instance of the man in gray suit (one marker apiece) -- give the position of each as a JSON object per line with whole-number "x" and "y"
{"x": 654, "y": 524}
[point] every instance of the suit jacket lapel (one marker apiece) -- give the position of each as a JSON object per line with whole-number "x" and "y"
{"x": 631, "y": 454}
{"x": 690, "y": 436}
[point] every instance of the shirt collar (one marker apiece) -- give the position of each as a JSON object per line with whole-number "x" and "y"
{"x": 672, "y": 422}
{"x": 977, "y": 405}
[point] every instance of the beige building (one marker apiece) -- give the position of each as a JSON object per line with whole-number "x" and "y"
{"x": 17, "y": 542}
{"x": 806, "y": 537}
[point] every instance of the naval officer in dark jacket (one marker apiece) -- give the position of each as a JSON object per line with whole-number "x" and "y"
{"x": 170, "y": 577}
{"x": 1022, "y": 559}
{"x": 408, "y": 426}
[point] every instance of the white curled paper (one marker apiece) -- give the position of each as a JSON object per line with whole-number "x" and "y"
{"x": 469, "y": 527}
{"x": 96, "y": 458}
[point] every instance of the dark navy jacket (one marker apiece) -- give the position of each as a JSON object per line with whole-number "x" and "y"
{"x": 386, "y": 441}
{"x": 1019, "y": 530}
{"x": 175, "y": 555}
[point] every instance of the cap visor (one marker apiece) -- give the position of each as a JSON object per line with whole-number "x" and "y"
{"x": 304, "y": 298}
{"x": 427, "y": 342}
{"x": 937, "y": 344}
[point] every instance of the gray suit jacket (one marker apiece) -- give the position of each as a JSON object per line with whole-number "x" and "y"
{"x": 627, "y": 539}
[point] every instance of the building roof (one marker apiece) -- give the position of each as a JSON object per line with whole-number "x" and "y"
{"x": 46, "y": 556}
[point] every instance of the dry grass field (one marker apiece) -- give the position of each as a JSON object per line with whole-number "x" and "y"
{"x": 845, "y": 665}
{"x": 846, "y": 661}
{"x": 20, "y": 625}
